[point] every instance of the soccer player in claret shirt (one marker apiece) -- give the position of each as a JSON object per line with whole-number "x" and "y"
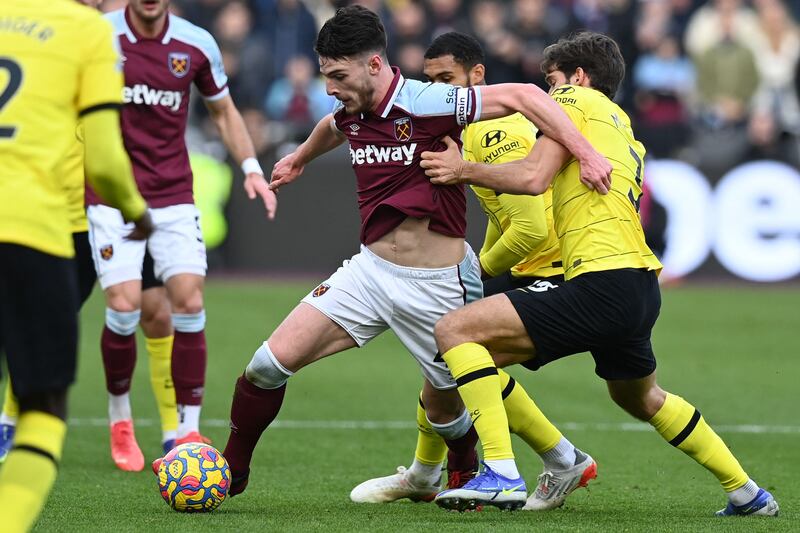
{"x": 414, "y": 264}
{"x": 58, "y": 63}
{"x": 163, "y": 56}
{"x": 608, "y": 303}
{"x": 520, "y": 250}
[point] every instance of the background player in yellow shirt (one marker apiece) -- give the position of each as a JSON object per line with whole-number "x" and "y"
{"x": 156, "y": 318}
{"x": 607, "y": 306}
{"x": 57, "y": 62}
{"x": 520, "y": 249}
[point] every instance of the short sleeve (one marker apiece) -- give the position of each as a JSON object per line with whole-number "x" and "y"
{"x": 211, "y": 80}
{"x": 442, "y": 99}
{"x": 101, "y": 71}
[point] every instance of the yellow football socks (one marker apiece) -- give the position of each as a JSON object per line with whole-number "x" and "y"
{"x": 30, "y": 470}
{"x": 160, "y": 351}
{"x": 682, "y": 426}
{"x": 525, "y": 418}
{"x": 10, "y": 405}
{"x": 479, "y": 386}
{"x": 431, "y": 448}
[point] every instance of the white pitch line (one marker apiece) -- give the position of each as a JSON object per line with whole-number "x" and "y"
{"x": 400, "y": 424}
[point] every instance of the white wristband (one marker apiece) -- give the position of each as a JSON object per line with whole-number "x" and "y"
{"x": 250, "y": 165}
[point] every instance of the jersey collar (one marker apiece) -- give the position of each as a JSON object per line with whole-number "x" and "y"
{"x": 391, "y": 95}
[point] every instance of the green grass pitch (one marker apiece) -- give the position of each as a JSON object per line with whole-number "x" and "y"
{"x": 731, "y": 351}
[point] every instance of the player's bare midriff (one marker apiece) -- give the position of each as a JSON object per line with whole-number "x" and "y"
{"x": 412, "y": 244}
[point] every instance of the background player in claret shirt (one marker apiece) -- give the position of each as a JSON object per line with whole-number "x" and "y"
{"x": 608, "y": 303}
{"x": 59, "y": 65}
{"x": 520, "y": 249}
{"x": 414, "y": 264}
{"x": 163, "y": 56}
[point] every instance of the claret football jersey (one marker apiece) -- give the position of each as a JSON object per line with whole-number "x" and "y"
{"x": 159, "y": 73}
{"x": 386, "y": 147}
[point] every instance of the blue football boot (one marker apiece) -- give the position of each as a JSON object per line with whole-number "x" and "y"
{"x": 6, "y": 439}
{"x": 488, "y": 488}
{"x": 763, "y": 504}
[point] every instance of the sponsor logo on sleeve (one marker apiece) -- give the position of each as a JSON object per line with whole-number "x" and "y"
{"x": 178, "y": 63}
{"x": 463, "y": 104}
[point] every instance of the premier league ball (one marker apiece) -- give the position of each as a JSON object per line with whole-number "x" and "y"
{"x": 194, "y": 477}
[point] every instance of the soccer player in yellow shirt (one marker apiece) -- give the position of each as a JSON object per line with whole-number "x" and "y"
{"x": 607, "y": 305}
{"x": 520, "y": 250}
{"x": 57, "y": 63}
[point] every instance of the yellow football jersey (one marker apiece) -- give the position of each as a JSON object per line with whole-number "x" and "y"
{"x": 515, "y": 221}
{"x": 601, "y": 232}
{"x": 57, "y": 60}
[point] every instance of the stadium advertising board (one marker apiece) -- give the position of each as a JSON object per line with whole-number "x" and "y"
{"x": 748, "y": 223}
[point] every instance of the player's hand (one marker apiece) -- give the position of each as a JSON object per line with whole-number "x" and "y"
{"x": 285, "y": 171}
{"x": 596, "y": 172}
{"x": 256, "y": 185}
{"x": 143, "y": 227}
{"x": 445, "y": 167}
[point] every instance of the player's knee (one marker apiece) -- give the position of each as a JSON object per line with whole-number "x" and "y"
{"x": 189, "y": 322}
{"x": 453, "y": 429}
{"x": 447, "y": 332}
{"x": 122, "y": 322}
{"x": 265, "y": 371}
{"x": 637, "y": 406}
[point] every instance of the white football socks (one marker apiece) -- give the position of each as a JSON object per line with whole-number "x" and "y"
{"x": 188, "y": 419}
{"x": 119, "y": 407}
{"x": 505, "y": 467}
{"x": 560, "y": 457}
{"x": 744, "y": 494}
{"x": 430, "y": 474}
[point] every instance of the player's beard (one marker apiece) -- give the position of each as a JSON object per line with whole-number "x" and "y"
{"x": 363, "y": 99}
{"x": 149, "y": 16}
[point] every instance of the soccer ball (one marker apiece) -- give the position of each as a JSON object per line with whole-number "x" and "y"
{"x": 194, "y": 477}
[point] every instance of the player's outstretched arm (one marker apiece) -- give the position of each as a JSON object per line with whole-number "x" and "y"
{"x": 530, "y": 175}
{"x": 234, "y": 134}
{"x": 537, "y": 106}
{"x": 324, "y": 138}
{"x": 108, "y": 169}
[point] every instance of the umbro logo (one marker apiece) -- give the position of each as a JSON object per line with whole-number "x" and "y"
{"x": 354, "y": 129}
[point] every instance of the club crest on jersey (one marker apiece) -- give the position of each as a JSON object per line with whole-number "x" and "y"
{"x": 320, "y": 290}
{"x": 107, "y": 252}
{"x": 178, "y": 63}
{"x": 403, "y": 129}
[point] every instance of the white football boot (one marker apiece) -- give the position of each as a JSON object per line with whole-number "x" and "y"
{"x": 555, "y": 485}
{"x": 395, "y": 487}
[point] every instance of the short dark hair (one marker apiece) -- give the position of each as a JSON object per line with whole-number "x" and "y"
{"x": 465, "y": 49}
{"x": 597, "y": 54}
{"x": 352, "y": 31}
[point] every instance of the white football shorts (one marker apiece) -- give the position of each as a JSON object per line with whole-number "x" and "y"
{"x": 368, "y": 295}
{"x": 176, "y": 245}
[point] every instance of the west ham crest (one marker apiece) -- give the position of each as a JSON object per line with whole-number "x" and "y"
{"x": 178, "y": 64}
{"x": 107, "y": 252}
{"x": 403, "y": 129}
{"x": 319, "y": 291}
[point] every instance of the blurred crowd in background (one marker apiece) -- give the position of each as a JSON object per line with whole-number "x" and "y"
{"x": 711, "y": 82}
